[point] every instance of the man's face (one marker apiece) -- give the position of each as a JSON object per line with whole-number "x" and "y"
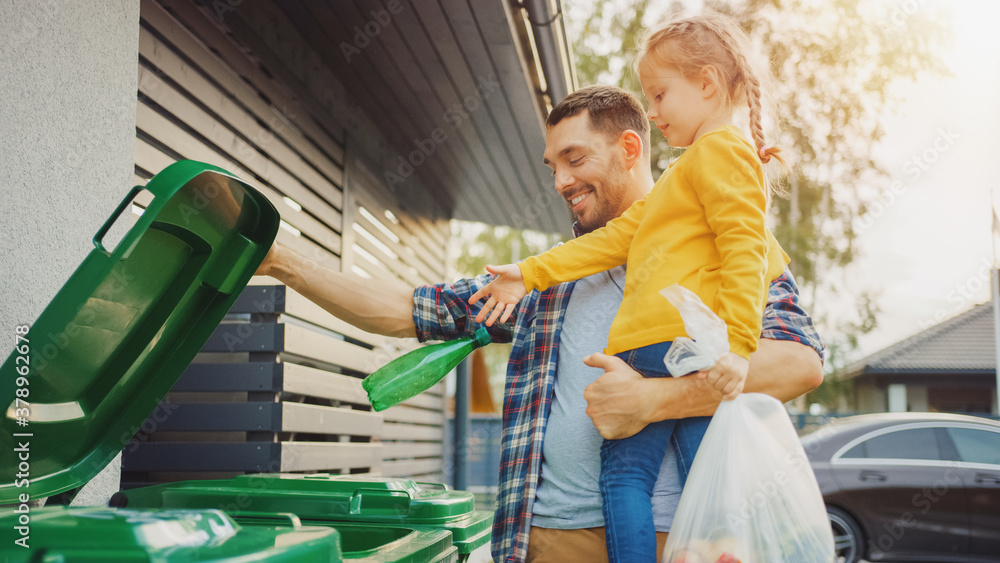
{"x": 589, "y": 171}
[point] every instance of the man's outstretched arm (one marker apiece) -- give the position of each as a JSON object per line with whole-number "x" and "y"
{"x": 377, "y": 306}
{"x": 621, "y": 402}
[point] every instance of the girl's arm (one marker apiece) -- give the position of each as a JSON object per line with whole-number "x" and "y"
{"x": 728, "y": 178}
{"x": 586, "y": 255}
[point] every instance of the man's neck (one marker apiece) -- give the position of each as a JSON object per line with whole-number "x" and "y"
{"x": 644, "y": 182}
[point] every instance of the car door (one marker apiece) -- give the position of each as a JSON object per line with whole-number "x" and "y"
{"x": 908, "y": 498}
{"x": 978, "y": 452}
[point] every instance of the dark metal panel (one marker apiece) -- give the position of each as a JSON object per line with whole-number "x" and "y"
{"x": 252, "y": 376}
{"x": 220, "y": 456}
{"x": 222, "y": 417}
{"x": 260, "y": 299}
{"x": 244, "y": 337}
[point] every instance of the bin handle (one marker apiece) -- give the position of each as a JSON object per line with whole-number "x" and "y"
{"x": 245, "y": 515}
{"x": 435, "y": 486}
{"x": 394, "y": 508}
{"x": 99, "y": 237}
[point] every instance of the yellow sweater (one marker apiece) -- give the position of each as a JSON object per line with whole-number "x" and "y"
{"x": 703, "y": 226}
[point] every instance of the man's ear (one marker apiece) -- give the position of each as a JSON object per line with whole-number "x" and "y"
{"x": 631, "y": 144}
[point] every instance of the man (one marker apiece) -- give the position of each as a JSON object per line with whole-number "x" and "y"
{"x": 548, "y": 504}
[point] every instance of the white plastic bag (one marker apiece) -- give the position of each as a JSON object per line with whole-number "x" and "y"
{"x": 751, "y": 496}
{"x": 711, "y": 340}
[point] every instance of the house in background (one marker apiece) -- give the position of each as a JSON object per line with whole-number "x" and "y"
{"x": 949, "y": 367}
{"x": 369, "y": 125}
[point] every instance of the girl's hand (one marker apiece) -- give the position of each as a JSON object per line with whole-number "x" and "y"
{"x": 506, "y": 289}
{"x": 728, "y": 375}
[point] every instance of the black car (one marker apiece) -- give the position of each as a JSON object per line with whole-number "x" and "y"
{"x": 910, "y": 486}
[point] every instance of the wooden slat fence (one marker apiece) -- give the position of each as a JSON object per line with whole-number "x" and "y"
{"x": 278, "y": 386}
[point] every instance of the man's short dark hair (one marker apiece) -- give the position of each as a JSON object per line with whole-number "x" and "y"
{"x": 612, "y": 112}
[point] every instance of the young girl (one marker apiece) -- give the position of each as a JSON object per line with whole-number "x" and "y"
{"x": 701, "y": 226}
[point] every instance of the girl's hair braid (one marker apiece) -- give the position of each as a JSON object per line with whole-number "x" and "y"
{"x": 752, "y": 91}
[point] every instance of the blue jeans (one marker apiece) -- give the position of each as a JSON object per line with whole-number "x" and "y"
{"x": 629, "y": 468}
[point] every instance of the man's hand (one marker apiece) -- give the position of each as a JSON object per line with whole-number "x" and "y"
{"x": 615, "y": 402}
{"x": 506, "y": 289}
{"x": 728, "y": 375}
{"x": 621, "y": 402}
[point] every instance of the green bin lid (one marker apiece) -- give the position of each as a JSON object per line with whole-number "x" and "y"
{"x": 366, "y": 543}
{"x": 120, "y": 332}
{"x": 107, "y": 535}
{"x": 323, "y": 498}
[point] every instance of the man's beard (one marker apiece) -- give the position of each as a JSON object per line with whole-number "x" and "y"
{"x": 609, "y": 205}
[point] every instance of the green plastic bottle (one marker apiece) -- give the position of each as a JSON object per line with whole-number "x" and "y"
{"x": 417, "y": 371}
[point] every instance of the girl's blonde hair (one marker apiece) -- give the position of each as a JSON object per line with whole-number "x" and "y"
{"x": 715, "y": 41}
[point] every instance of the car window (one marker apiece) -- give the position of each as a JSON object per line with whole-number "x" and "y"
{"x": 916, "y": 443}
{"x": 976, "y": 446}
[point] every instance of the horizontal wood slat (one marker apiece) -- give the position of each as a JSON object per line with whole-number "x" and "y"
{"x": 270, "y": 298}
{"x": 403, "y": 413}
{"x": 312, "y": 382}
{"x": 198, "y": 39}
{"x": 266, "y": 147}
{"x": 268, "y": 417}
{"x": 325, "y": 231}
{"x": 394, "y": 450}
{"x": 393, "y": 265}
{"x": 401, "y": 468}
{"x": 315, "y": 419}
{"x": 425, "y": 254}
{"x": 309, "y": 344}
{"x": 312, "y": 456}
{"x": 396, "y": 431}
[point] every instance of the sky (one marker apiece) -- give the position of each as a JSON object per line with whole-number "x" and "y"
{"x": 930, "y": 251}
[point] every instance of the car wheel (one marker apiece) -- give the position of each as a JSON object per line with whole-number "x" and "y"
{"x": 848, "y": 540}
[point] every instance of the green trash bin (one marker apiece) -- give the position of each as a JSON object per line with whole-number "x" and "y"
{"x": 323, "y": 499}
{"x": 101, "y": 357}
{"x": 106, "y": 535}
{"x": 126, "y": 324}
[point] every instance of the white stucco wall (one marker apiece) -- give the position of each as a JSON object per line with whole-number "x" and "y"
{"x": 67, "y": 136}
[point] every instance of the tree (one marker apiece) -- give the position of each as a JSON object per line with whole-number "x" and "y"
{"x": 834, "y": 64}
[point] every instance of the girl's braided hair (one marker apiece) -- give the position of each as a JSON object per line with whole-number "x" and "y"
{"x": 715, "y": 41}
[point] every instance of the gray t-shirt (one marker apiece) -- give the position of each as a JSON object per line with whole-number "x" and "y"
{"x": 568, "y": 496}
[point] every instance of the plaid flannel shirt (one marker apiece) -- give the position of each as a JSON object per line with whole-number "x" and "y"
{"x": 442, "y": 312}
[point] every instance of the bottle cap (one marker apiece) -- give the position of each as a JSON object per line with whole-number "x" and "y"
{"x": 481, "y": 337}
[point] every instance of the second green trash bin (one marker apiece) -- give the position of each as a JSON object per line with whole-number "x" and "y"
{"x": 323, "y": 499}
